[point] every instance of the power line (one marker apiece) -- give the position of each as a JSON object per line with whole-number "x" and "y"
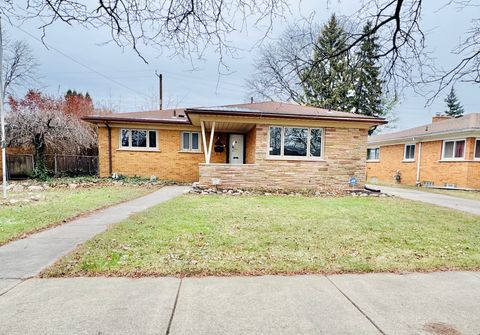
{"x": 80, "y": 63}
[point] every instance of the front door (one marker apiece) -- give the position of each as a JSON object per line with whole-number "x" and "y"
{"x": 236, "y": 148}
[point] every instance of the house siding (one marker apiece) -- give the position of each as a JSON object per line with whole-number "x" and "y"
{"x": 464, "y": 174}
{"x": 169, "y": 163}
{"x": 344, "y": 157}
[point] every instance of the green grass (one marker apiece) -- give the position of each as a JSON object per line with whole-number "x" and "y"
{"x": 60, "y": 205}
{"x": 221, "y": 235}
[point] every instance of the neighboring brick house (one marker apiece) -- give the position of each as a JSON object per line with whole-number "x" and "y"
{"x": 267, "y": 145}
{"x": 445, "y": 153}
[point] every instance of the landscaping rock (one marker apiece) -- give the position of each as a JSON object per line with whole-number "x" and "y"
{"x": 35, "y": 188}
{"x": 16, "y": 188}
{"x": 72, "y": 186}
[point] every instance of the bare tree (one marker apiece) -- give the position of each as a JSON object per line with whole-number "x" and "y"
{"x": 279, "y": 65}
{"x": 404, "y": 53}
{"x": 38, "y": 122}
{"x": 20, "y": 67}
{"x": 182, "y": 27}
{"x": 407, "y": 62}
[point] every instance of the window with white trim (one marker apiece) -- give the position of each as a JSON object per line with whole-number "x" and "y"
{"x": 138, "y": 139}
{"x": 409, "y": 153}
{"x": 373, "y": 154}
{"x": 453, "y": 149}
{"x": 476, "y": 154}
{"x": 295, "y": 142}
{"x": 190, "y": 141}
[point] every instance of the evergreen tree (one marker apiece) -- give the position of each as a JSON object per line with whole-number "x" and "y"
{"x": 326, "y": 83}
{"x": 367, "y": 97}
{"x": 455, "y": 109}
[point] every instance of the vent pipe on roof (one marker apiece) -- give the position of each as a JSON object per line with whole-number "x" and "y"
{"x": 251, "y": 100}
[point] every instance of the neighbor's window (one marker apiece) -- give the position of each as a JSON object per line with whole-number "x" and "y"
{"x": 409, "y": 152}
{"x": 373, "y": 154}
{"x": 295, "y": 142}
{"x": 136, "y": 138}
{"x": 190, "y": 141}
{"x": 453, "y": 149}
{"x": 477, "y": 149}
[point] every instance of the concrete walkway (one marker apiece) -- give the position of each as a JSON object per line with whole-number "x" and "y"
{"x": 466, "y": 205}
{"x": 27, "y": 257}
{"x": 434, "y": 303}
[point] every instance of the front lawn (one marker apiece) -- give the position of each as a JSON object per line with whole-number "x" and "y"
{"x": 225, "y": 235}
{"x": 58, "y": 205}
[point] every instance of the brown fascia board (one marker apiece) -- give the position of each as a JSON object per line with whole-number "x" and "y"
{"x": 287, "y": 116}
{"x": 132, "y": 120}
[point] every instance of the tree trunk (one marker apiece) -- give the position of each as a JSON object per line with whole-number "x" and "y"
{"x": 39, "y": 154}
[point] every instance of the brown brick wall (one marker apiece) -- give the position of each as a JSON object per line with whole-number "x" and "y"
{"x": 465, "y": 174}
{"x": 344, "y": 157}
{"x": 167, "y": 164}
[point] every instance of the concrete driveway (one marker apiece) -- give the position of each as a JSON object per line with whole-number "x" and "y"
{"x": 434, "y": 303}
{"x": 465, "y": 205}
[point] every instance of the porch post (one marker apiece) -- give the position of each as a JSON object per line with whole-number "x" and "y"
{"x": 212, "y": 133}
{"x": 204, "y": 140}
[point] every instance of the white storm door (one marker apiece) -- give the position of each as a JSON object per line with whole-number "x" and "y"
{"x": 236, "y": 145}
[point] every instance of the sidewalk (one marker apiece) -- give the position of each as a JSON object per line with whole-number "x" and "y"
{"x": 27, "y": 257}
{"x": 465, "y": 205}
{"x": 433, "y": 303}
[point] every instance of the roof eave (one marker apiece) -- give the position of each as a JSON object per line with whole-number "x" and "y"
{"x": 374, "y": 121}
{"x": 429, "y": 137}
{"x": 100, "y": 119}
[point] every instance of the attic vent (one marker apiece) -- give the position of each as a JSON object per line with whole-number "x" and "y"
{"x": 181, "y": 115}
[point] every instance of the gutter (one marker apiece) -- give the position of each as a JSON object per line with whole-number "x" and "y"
{"x": 131, "y": 120}
{"x": 260, "y": 114}
{"x": 439, "y": 135}
{"x": 287, "y": 116}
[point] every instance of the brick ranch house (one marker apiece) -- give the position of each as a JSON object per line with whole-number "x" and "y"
{"x": 444, "y": 153}
{"x": 267, "y": 145}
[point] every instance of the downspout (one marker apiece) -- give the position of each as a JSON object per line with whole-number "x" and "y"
{"x": 419, "y": 158}
{"x": 109, "y": 130}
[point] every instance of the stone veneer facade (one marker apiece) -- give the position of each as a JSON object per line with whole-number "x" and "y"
{"x": 344, "y": 157}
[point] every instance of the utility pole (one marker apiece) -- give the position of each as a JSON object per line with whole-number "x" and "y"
{"x": 2, "y": 118}
{"x": 160, "y": 89}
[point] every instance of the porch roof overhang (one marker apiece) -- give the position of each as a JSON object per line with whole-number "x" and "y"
{"x": 242, "y": 120}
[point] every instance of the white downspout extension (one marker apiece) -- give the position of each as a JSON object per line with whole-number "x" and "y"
{"x": 419, "y": 158}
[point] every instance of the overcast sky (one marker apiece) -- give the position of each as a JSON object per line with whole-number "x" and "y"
{"x": 132, "y": 84}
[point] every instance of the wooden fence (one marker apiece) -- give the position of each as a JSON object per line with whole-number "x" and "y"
{"x": 20, "y": 166}
{"x": 73, "y": 165}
